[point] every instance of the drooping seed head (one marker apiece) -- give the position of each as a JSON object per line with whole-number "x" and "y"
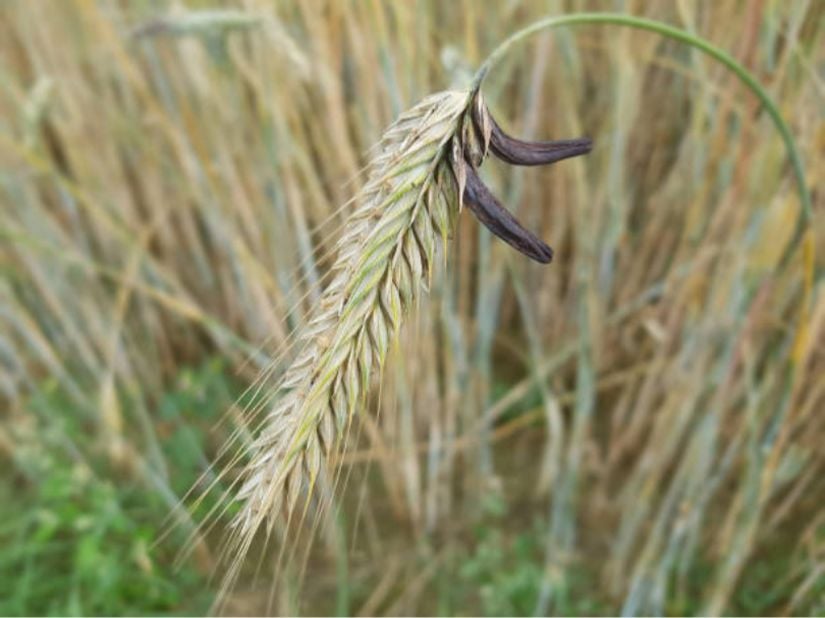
{"x": 384, "y": 257}
{"x": 425, "y": 169}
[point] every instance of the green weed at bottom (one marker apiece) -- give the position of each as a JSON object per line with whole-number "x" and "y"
{"x": 77, "y": 535}
{"x": 500, "y": 572}
{"x": 75, "y": 548}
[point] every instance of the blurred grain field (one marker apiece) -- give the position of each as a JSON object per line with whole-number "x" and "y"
{"x": 636, "y": 428}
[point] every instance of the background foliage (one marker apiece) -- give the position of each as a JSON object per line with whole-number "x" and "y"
{"x": 612, "y": 433}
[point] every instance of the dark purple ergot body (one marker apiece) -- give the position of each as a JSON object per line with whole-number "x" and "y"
{"x": 484, "y": 205}
{"x": 501, "y": 222}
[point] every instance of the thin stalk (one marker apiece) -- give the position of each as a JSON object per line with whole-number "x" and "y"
{"x": 615, "y": 19}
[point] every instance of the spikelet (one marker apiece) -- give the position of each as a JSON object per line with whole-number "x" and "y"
{"x": 425, "y": 170}
{"x": 384, "y": 258}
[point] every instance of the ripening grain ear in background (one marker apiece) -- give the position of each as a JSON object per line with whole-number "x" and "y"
{"x": 613, "y": 432}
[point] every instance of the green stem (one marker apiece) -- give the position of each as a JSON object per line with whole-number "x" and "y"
{"x": 579, "y": 19}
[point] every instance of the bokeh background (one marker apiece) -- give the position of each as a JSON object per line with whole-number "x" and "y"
{"x": 636, "y": 428}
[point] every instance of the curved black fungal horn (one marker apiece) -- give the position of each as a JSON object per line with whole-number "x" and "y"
{"x": 483, "y": 204}
{"x": 501, "y": 222}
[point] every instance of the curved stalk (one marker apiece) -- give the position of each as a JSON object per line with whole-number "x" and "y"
{"x": 803, "y": 233}
{"x": 615, "y": 19}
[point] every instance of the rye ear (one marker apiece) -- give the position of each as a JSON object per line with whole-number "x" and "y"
{"x": 384, "y": 261}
